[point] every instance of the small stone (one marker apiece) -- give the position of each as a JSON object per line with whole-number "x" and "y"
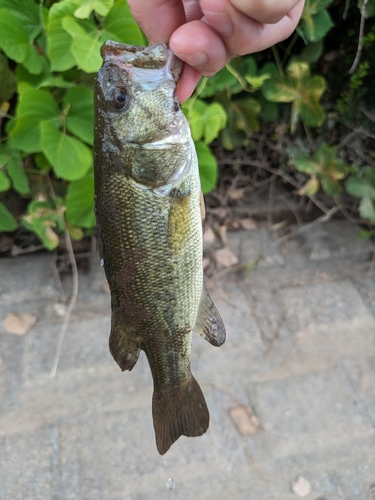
{"x": 19, "y": 323}
{"x": 247, "y": 423}
{"x": 60, "y": 309}
{"x": 224, "y": 257}
{"x": 301, "y": 486}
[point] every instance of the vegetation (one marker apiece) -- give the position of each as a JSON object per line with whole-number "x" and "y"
{"x": 310, "y": 96}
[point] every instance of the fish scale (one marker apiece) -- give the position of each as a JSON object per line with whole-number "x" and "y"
{"x": 148, "y": 209}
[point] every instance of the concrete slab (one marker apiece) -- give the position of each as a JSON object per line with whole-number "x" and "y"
{"x": 300, "y": 353}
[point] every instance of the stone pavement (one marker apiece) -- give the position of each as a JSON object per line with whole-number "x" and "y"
{"x": 300, "y": 353}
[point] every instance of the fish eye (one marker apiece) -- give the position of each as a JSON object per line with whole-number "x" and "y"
{"x": 119, "y": 97}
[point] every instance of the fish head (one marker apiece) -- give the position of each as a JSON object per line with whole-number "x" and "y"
{"x": 140, "y": 118}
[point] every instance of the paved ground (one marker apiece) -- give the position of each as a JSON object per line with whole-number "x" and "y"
{"x": 300, "y": 353}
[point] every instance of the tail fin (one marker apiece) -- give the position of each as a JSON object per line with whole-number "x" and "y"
{"x": 183, "y": 412}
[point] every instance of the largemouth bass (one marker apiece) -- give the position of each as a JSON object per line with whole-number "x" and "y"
{"x": 149, "y": 210}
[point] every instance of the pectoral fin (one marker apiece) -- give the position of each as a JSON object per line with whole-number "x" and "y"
{"x": 209, "y": 324}
{"x": 124, "y": 344}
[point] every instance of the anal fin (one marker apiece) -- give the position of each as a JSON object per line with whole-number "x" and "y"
{"x": 124, "y": 344}
{"x": 209, "y": 324}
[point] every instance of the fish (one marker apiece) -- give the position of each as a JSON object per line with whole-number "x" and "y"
{"x": 150, "y": 211}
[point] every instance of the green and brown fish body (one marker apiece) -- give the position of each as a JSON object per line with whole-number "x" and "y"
{"x": 149, "y": 215}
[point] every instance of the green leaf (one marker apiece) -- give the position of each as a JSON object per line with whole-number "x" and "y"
{"x": 17, "y": 174}
{"x": 366, "y": 209}
{"x": 316, "y": 20}
{"x": 194, "y": 110}
{"x": 16, "y": 43}
{"x": 215, "y": 119}
{"x": 42, "y": 218}
{"x": 245, "y": 114}
{"x": 120, "y": 26}
{"x": 85, "y": 47}
{"x": 222, "y": 80}
{"x": 369, "y": 8}
{"x": 8, "y": 80}
{"x": 303, "y": 90}
{"x": 45, "y": 79}
{"x": 102, "y": 7}
{"x": 78, "y": 103}
{"x": 59, "y": 41}
{"x": 206, "y": 120}
{"x": 33, "y": 107}
{"x": 312, "y": 52}
{"x": 70, "y": 158}
{"x": 27, "y": 13}
{"x": 7, "y": 221}
{"x": 80, "y": 202}
{"x": 208, "y": 170}
{"x": 4, "y": 182}
{"x": 360, "y": 187}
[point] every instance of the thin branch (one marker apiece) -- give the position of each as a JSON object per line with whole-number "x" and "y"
{"x": 360, "y": 40}
{"x": 72, "y": 302}
{"x": 323, "y": 218}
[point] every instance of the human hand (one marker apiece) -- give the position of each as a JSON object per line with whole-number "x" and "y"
{"x": 206, "y": 34}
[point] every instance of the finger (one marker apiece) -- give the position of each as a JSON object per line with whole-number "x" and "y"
{"x": 187, "y": 82}
{"x": 192, "y": 10}
{"x": 242, "y": 34}
{"x": 200, "y": 46}
{"x": 158, "y": 19}
{"x": 265, "y": 11}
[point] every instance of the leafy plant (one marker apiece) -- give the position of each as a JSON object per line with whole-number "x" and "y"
{"x": 324, "y": 168}
{"x": 364, "y": 188}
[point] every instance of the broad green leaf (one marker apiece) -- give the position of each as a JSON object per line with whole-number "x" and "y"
{"x": 215, "y": 119}
{"x": 120, "y": 26}
{"x": 208, "y": 170}
{"x": 16, "y": 43}
{"x": 69, "y": 157}
{"x": 222, "y": 80}
{"x": 28, "y": 14}
{"x": 17, "y": 174}
{"x": 7, "y": 79}
{"x": 206, "y": 120}
{"x": 312, "y": 52}
{"x": 4, "y": 182}
{"x": 85, "y": 47}
{"x": 360, "y": 187}
{"x": 194, "y": 111}
{"x": 318, "y": 26}
{"x": 80, "y": 202}
{"x": 33, "y": 107}
{"x": 78, "y": 105}
{"x": 59, "y": 41}
{"x": 45, "y": 79}
{"x": 7, "y": 221}
{"x": 102, "y": 7}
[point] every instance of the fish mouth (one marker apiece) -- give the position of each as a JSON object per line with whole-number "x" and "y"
{"x": 157, "y": 56}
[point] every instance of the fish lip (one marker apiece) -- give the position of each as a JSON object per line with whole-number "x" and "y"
{"x": 167, "y": 142}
